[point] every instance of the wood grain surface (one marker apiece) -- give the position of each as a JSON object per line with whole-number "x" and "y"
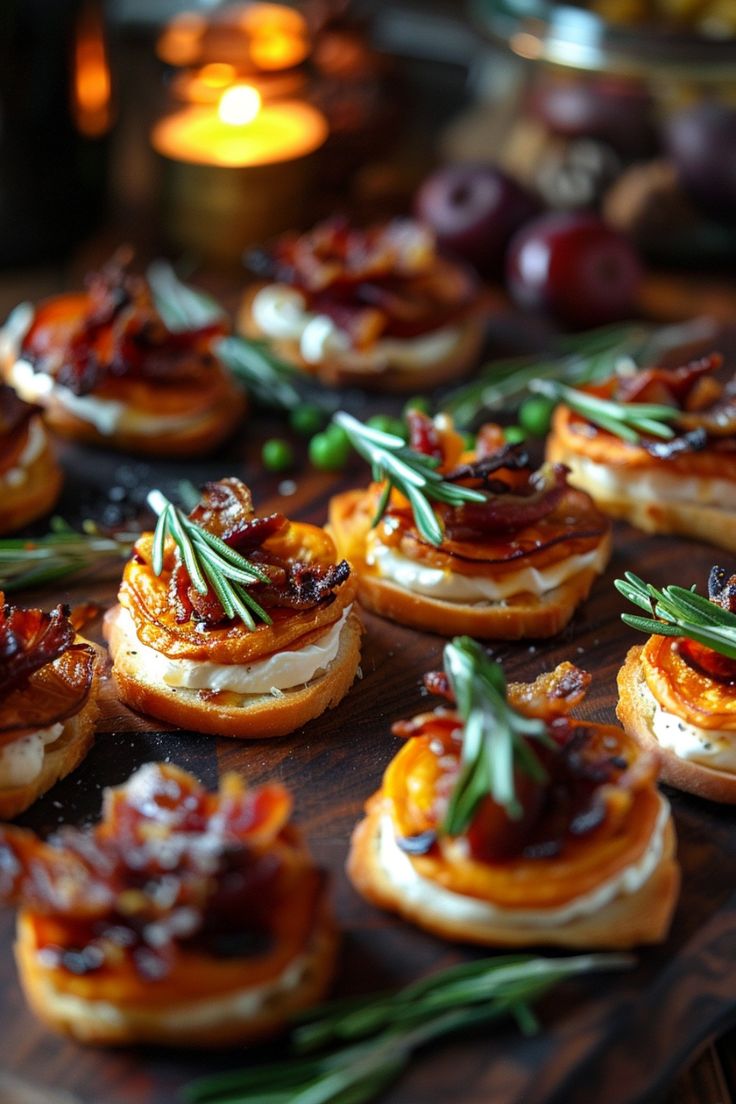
{"x": 616, "y": 1038}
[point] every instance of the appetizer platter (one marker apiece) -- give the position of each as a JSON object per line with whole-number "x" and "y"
{"x": 251, "y": 788}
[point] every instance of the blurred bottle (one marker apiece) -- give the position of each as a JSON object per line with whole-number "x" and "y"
{"x": 55, "y": 118}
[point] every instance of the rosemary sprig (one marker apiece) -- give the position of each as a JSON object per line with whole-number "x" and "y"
{"x": 495, "y": 736}
{"x": 578, "y": 359}
{"x": 268, "y": 378}
{"x": 676, "y": 611}
{"x": 373, "y": 1039}
{"x": 625, "y": 420}
{"x": 208, "y": 562}
{"x": 409, "y": 472}
{"x": 63, "y": 553}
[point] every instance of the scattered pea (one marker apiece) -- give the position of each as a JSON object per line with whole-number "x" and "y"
{"x": 387, "y": 424}
{"x": 418, "y": 402}
{"x": 337, "y": 434}
{"x": 328, "y": 453}
{"x": 277, "y": 455}
{"x": 514, "y": 435}
{"x": 306, "y": 420}
{"x": 535, "y": 415}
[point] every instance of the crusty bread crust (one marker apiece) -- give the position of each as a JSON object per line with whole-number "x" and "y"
{"x": 34, "y": 497}
{"x": 685, "y": 519}
{"x": 245, "y": 717}
{"x": 84, "y": 1019}
{"x": 390, "y": 378}
{"x": 518, "y": 617}
{"x": 203, "y": 436}
{"x": 60, "y": 758}
{"x": 635, "y": 710}
{"x": 627, "y": 921}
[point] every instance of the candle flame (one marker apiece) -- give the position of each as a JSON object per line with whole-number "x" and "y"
{"x": 239, "y": 104}
{"x": 92, "y": 90}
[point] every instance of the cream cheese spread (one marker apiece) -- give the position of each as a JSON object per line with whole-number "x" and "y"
{"x": 281, "y": 671}
{"x": 21, "y": 761}
{"x": 452, "y": 587}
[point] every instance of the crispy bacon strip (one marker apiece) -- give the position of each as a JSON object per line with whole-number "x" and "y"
{"x": 384, "y": 279}
{"x": 120, "y": 334}
{"x": 162, "y": 826}
{"x": 505, "y": 509}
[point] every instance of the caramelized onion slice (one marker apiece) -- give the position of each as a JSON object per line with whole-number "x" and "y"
{"x": 552, "y": 694}
{"x": 29, "y": 639}
{"x": 51, "y": 695}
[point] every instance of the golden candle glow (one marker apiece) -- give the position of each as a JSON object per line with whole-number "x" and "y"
{"x": 181, "y": 41}
{"x": 241, "y": 131}
{"x": 92, "y": 90}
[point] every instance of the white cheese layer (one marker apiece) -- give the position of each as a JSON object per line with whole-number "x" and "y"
{"x": 208, "y": 1012}
{"x": 714, "y": 748}
{"x": 280, "y": 312}
{"x": 654, "y": 486}
{"x": 34, "y": 446}
{"x": 281, "y": 671}
{"x": 453, "y": 587}
{"x": 444, "y": 905}
{"x": 105, "y": 415}
{"x": 21, "y": 761}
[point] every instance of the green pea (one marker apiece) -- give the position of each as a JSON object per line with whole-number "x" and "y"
{"x": 328, "y": 453}
{"x": 514, "y": 435}
{"x": 306, "y": 420}
{"x": 418, "y": 402}
{"x": 277, "y": 455}
{"x": 535, "y": 415}
{"x": 387, "y": 424}
{"x": 337, "y": 434}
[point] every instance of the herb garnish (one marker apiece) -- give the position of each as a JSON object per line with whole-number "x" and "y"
{"x": 494, "y": 736}
{"x": 60, "y": 554}
{"x": 579, "y": 359}
{"x": 410, "y": 472}
{"x": 372, "y": 1039}
{"x": 271, "y": 380}
{"x": 625, "y": 420}
{"x": 676, "y": 611}
{"x": 207, "y": 560}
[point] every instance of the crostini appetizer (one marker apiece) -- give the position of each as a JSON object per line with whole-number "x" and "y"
{"x": 231, "y": 623}
{"x": 655, "y": 447}
{"x": 505, "y": 822}
{"x": 478, "y": 542}
{"x": 30, "y": 478}
{"x": 48, "y": 702}
{"x": 677, "y": 693}
{"x": 108, "y": 370}
{"x": 184, "y": 917}
{"x": 378, "y": 308}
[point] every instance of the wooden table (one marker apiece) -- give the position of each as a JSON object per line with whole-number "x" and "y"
{"x": 620, "y": 1039}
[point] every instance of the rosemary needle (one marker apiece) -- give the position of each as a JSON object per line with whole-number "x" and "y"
{"x": 208, "y": 561}
{"x": 410, "y": 472}
{"x": 676, "y": 611}
{"x": 495, "y": 738}
{"x": 372, "y": 1039}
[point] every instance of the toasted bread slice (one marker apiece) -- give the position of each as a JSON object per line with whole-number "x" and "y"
{"x": 243, "y": 716}
{"x": 635, "y": 711}
{"x": 627, "y": 921}
{"x": 22, "y": 503}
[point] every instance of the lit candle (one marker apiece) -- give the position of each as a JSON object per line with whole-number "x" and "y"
{"x": 235, "y": 173}
{"x": 241, "y": 131}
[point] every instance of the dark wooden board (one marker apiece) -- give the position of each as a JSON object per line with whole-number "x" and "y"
{"x": 610, "y": 1038}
